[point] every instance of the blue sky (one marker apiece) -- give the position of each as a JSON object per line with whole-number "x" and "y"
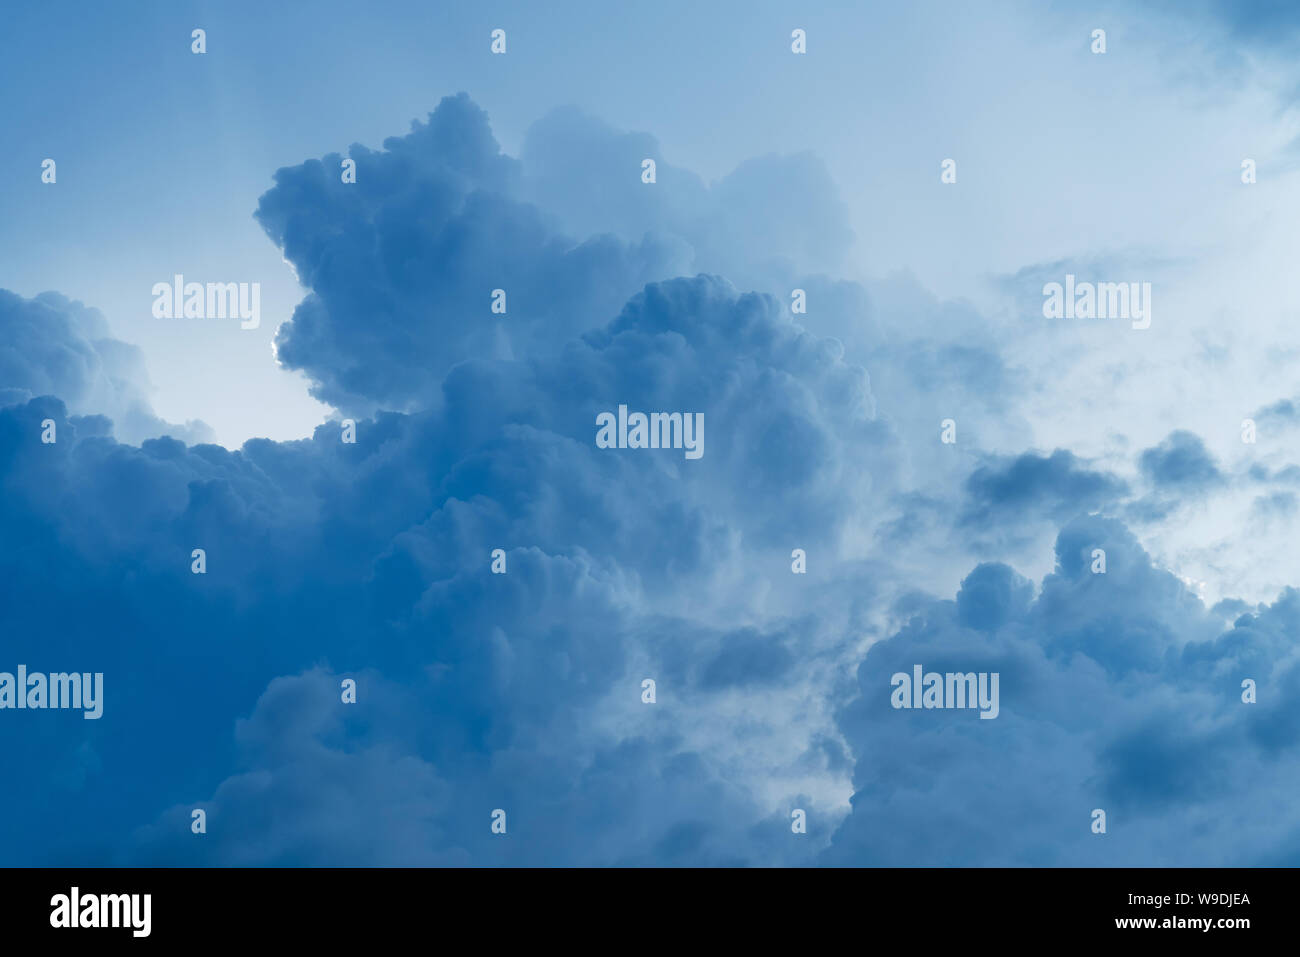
{"x": 371, "y": 561}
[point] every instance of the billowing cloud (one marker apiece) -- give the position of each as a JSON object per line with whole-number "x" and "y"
{"x": 51, "y": 345}
{"x": 1056, "y": 485}
{"x": 417, "y": 246}
{"x": 774, "y": 214}
{"x": 768, "y": 588}
{"x": 1180, "y": 463}
{"x": 1118, "y": 692}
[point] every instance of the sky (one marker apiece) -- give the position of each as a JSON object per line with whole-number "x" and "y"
{"x": 946, "y": 457}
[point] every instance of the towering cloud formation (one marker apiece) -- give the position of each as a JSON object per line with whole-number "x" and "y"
{"x": 523, "y": 691}
{"x": 402, "y": 265}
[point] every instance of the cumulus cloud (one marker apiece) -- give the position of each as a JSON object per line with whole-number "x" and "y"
{"x": 401, "y": 266}
{"x": 1180, "y": 463}
{"x": 317, "y": 549}
{"x": 1057, "y": 485}
{"x": 777, "y": 214}
{"x": 52, "y": 345}
{"x": 1119, "y": 691}
{"x": 522, "y": 691}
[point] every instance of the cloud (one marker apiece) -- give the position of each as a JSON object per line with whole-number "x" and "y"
{"x": 522, "y": 691}
{"x": 52, "y": 345}
{"x": 401, "y": 265}
{"x": 1118, "y": 691}
{"x": 376, "y": 555}
{"x": 1181, "y": 463}
{"x": 1270, "y": 24}
{"x": 440, "y": 218}
{"x": 772, "y": 213}
{"x": 1056, "y": 485}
